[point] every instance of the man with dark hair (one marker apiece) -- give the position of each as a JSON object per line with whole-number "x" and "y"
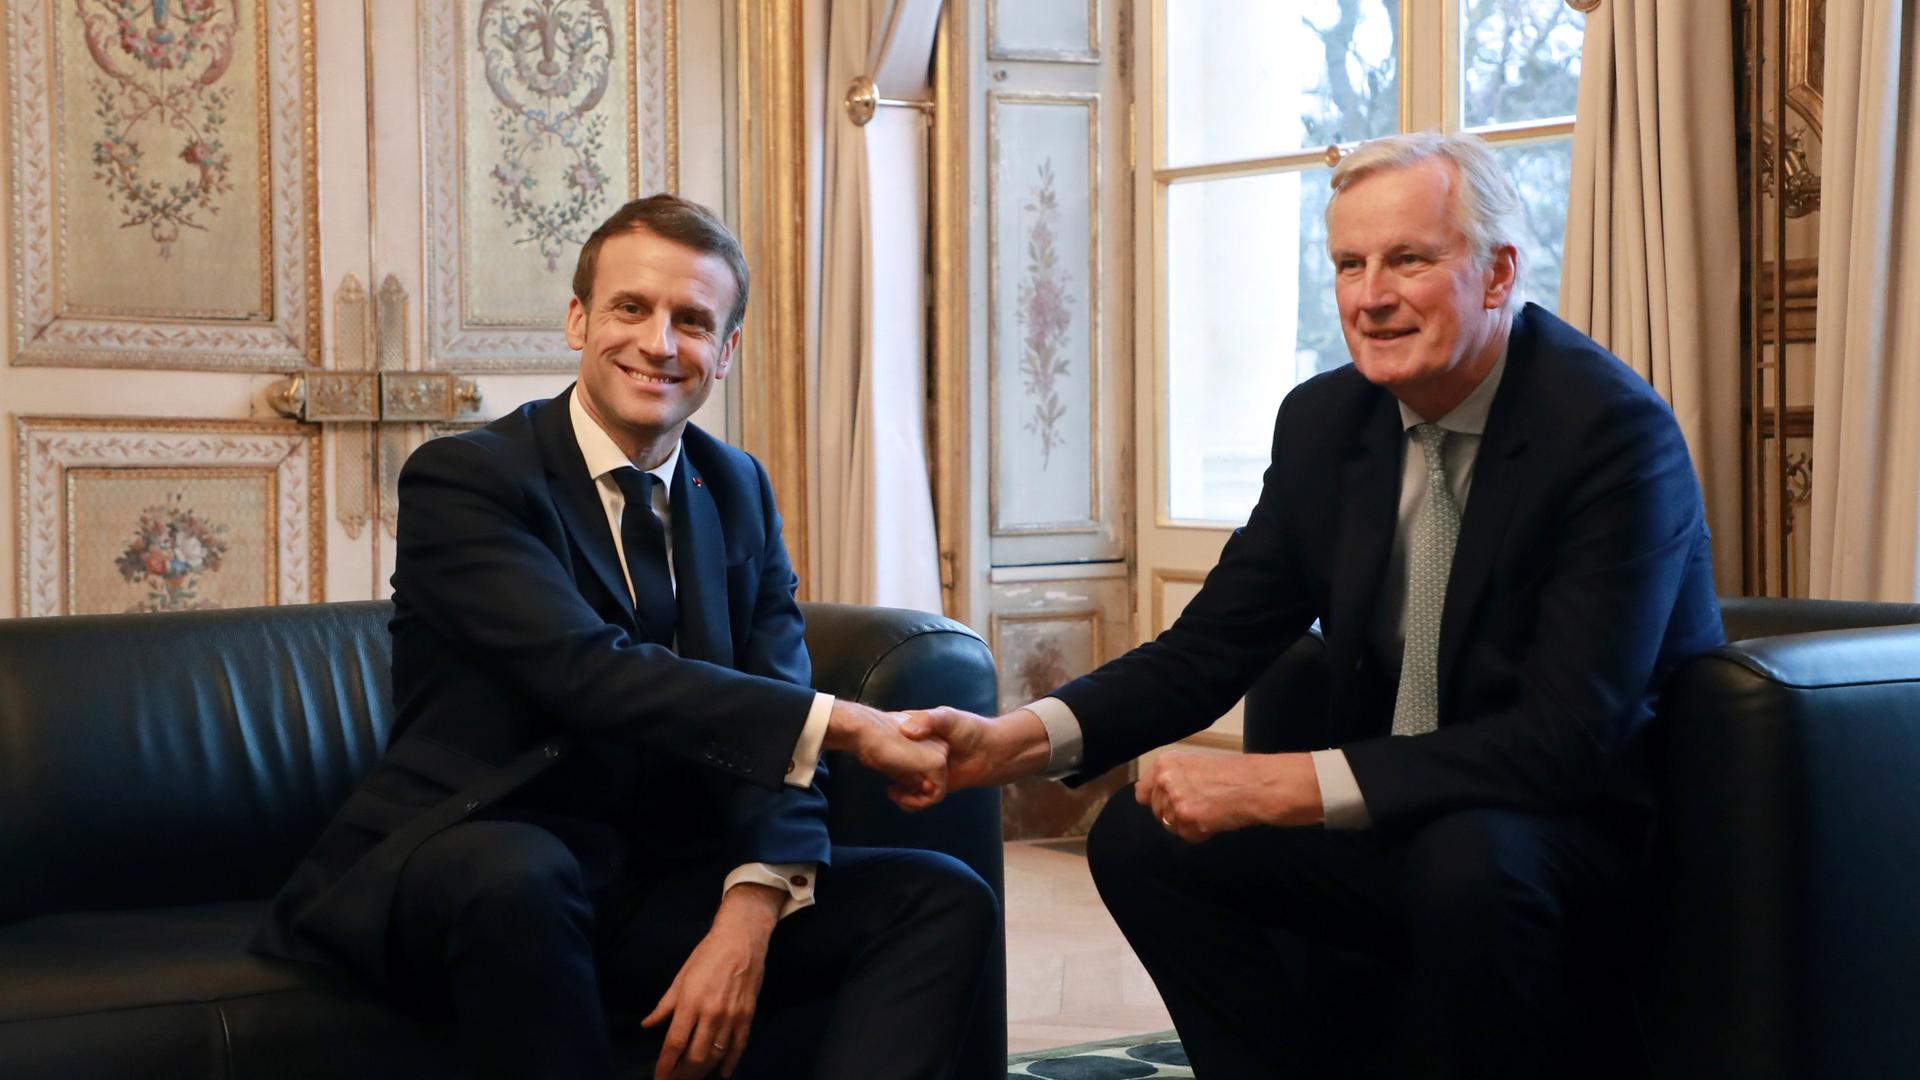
{"x": 1498, "y": 529}
{"x": 600, "y": 789}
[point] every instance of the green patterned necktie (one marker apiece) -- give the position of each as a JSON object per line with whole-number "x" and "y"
{"x": 1436, "y": 528}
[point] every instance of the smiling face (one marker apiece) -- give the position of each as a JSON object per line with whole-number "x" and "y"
{"x": 652, "y": 340}
{"x": 1422, "y": 315}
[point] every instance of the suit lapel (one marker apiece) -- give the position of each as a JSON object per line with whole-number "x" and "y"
{"x": 1369, "y": 505}
{"x": 699, "y": 567}
{"x": 578, "y": 501}
{"x": 1498, "y": 475}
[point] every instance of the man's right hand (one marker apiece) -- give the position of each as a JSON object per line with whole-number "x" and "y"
{"x": 918, "y": 768}
{"x": 981, "y": 752}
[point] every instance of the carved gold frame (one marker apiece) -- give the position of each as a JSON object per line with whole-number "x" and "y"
{"x": 454, "y": 339}
{"x": 45, "y": 335}
{"x": 1804, "y": 94}
{"x": 1096, "y": 435}
{"x": 43, "y": 511}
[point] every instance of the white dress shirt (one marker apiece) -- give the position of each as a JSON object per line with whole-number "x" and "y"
{"x": 604, "y": 459}
{"x": 1340, "y": 794}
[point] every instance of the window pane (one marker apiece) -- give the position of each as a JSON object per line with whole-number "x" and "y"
{"x": 1255, "y": 78}
{"x": 1519, "y": 60}
{"x": 1250, "y": 313}
{"x": 1543, "y": 172}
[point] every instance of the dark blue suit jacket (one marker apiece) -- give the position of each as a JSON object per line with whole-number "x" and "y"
{"x": 525, "y": 689}
{"x": 1581, "y": 578}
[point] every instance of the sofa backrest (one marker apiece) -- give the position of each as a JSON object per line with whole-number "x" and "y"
{"x": 181, "y": 758}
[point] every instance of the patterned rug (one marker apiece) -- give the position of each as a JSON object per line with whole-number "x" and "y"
{"x": 1133, "y": 1058}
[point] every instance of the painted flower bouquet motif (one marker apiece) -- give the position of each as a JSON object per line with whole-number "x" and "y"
{"x": 548, "y": 63}
{"x": 172, "y": 548}
{"x": 1042, "y": 306}
{"x": 160, "y": 62}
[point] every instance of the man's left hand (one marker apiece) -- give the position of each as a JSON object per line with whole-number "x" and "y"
{"x": 712, "y": 1000}
{"x": 1200, "y": 795}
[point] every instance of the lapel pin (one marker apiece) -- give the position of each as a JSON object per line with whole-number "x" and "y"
{"x": 697, "y": 482}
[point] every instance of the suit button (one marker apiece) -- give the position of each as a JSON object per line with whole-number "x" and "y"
{"x": 551, "y": 751}
{"x": 472, "y": 806}
{"x": 799, "y": 880}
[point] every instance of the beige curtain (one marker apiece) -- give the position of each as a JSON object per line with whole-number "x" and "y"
{"x": 1652, "y": 259}
{"x": 1866, "y": 396}
{"x": 876, "y": 531}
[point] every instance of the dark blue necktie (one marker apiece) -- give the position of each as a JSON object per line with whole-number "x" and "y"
{"x": 646, "y": 550}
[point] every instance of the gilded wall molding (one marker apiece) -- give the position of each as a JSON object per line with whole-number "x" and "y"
{"x": 47, "y": 44}
{"x": 50, "y": 448}
{"x": 459, "y": 334}
{"x": 771, "y": 196}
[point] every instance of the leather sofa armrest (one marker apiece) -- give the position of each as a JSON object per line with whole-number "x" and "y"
{"x": 1790, "y": 857}
{"x": 892, "y": 658}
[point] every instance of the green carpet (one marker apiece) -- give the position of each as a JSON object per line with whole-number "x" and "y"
{"x": 1135, "y": 1058}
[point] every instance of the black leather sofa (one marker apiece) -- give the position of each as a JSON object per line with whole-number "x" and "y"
{"x": 161, "y": 774}
{"x": 1786, "y": 937}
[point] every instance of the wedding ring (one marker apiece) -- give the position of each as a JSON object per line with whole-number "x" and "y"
{"x": 1164, "y": 820}
{"x": 720, "y": 1046}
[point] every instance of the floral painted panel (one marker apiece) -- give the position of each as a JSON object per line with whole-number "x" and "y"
{"x": 544, "y": 126}
{"x": 128, "y": 514}
{"x": 170, "y": 540}
{"x": 162, "y": 162}
{"x": 161, "y": 157}
{"x": 1044, "y": 343}
{"x": 541, "y": 117}
{"x": 1040, "y": 653}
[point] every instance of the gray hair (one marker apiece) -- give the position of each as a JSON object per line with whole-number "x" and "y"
{"x": 1486, "y": 206}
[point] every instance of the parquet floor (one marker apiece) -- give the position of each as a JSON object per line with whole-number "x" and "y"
{"x": 1070, "y": 976}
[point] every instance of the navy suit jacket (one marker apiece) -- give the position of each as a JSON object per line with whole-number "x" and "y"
{"x": 1581, "y": 578}
{"x": 525, "y": 689}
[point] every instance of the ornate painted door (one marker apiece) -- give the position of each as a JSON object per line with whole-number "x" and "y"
{"x": 260, "y": 249}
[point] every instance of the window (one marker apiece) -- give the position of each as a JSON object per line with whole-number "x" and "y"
{"x": 1253, "y": 93}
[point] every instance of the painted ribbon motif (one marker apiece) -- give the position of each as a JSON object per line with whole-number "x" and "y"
{"x": 548, "y": 63}
{"x": 160, "y": 63}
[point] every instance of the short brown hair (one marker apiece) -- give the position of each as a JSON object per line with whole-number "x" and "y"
{"x": 682, "y": 221}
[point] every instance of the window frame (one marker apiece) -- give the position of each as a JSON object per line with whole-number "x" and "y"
{"x": 1429, "y": 62}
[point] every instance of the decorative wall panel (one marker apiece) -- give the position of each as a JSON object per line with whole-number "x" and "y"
{"x": 1043, "y": 289}
{"x": 1043, "y": 633}
{"x": 163, "y": 515}
{"x": 539, "y": 121}
{"x": 1172, "y": 591}
{"x": 163, "y": 178}
{"x": 1061, "y": 30}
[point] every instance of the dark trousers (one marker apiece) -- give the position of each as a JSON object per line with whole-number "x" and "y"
{"x": 1486, "y": 944}
{"x": 492, "y": 921}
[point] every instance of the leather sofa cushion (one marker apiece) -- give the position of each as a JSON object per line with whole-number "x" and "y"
{"x": 172, "y": 992}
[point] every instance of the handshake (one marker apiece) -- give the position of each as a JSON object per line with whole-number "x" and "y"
{"x": 928, "y": 753}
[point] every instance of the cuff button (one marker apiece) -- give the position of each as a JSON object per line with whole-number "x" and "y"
{"x": 798, "y": 881}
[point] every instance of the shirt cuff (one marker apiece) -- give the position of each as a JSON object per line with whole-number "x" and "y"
{"x": 1067, "y": 749}
{"x": 806, "y": 752}
{"x": 1340, "y": 797}
{"x": 794, "y": 879}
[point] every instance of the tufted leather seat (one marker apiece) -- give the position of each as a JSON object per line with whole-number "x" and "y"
{"x": 160, "y": 776}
